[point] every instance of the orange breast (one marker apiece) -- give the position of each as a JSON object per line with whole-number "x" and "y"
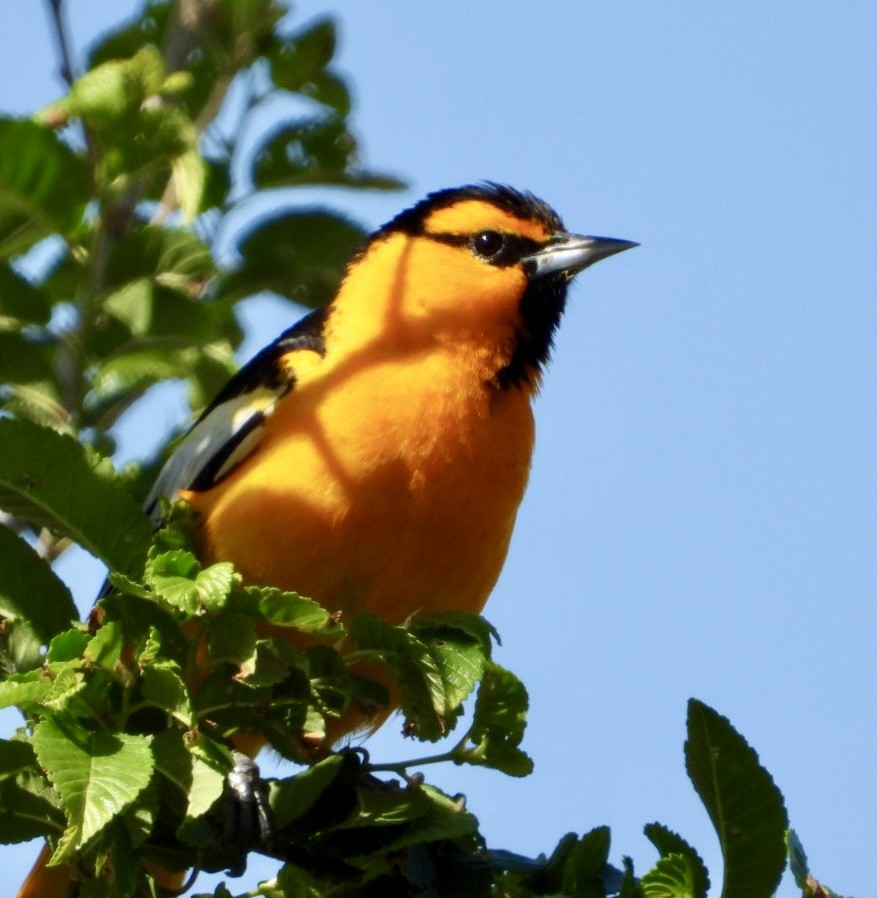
{"x": 390, "y": 487}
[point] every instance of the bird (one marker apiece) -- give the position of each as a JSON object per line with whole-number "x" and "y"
{"x": 374, "y": 455}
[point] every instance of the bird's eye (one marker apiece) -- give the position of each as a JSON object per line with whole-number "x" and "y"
{"x": 487, "y": 244}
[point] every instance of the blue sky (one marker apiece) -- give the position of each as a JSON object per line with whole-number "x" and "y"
{"x": 702, "y": 514}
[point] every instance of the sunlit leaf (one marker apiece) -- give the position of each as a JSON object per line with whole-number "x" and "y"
{"x": 97, "y": 780}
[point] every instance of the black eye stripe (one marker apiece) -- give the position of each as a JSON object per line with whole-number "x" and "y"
{"x": 513, "y": 247}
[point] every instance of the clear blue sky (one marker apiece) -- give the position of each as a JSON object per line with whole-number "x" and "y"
{"x": 702, "y": 513}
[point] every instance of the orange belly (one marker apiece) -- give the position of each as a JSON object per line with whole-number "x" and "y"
{"x": 390, "y": 490}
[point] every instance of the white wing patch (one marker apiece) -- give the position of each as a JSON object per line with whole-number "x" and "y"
{"x": 215, "y": 445}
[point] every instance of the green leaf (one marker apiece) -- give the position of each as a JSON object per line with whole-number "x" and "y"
{"x": 293, "y": 797}
{"x": 23, "y": 360}
{"x": 289, "y": 609}
{"x": 170, "y": 256}
{"x": 668, "y": 842}
{"x": 214, "y": 585}
{"x": 673, "y": 876}
{"x": 585, "y": 867}
{"x": 29, "y": 807}
{"x": 232, "y": 637}
{"x": 164, "y": 687}
{"x": 416, "y": 674}
{"x": 498, "y": 723}
{"x": 20, "y": 300}
{"x": 172, "y": 576}
{"x": 313, "y": 151}
{"x": 43, "y": 186}
{"x": 189, "y": 175}
{"x": 106, "y": 646}
{"x": 745, "y": 806}
{"x": 26, "y": 691}
{"x": 460, "y": 645}
{"x": 96, "y": 781}
{"x": 298, "y": 64}
{"x": 52, "y": 481}
{"x": 34, "y": 602}
{"x": 296, "y": 254}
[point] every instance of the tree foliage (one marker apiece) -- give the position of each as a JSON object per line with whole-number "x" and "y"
{"x": 113, "y": 203}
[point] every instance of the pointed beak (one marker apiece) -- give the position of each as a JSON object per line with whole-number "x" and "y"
{"x": 568, "y": 254}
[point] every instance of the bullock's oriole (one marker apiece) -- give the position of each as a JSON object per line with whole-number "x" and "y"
{"x": 373, "y": 456}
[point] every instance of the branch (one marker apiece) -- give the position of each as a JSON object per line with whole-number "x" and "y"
{"x": 62, "y": 36}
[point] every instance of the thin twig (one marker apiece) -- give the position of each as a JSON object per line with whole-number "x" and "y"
{"x": 62, "y": 37}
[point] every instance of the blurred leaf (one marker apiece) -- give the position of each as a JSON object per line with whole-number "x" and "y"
{"x": 113, "y": 90}
{"x": 313, "y": 151}
{"x": 21, "y": 302}
{"x": 96, "y": 781}
{"x": 296, "y": 254}
{"x": 43, "y": 186}
{"x": 52, "y": 481}
{"x": 171, "y": 256}
{"x": 745, "y": 806}
{"x": 33, "y": 601}
{"x": 22, "y": 361}
{"x": 298, "y": 64}
{"x": 189, "y": 175}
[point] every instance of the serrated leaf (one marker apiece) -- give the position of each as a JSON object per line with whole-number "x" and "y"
{"x": 25, "y": 691}
{"x": 289, "y": 609}
{"x": 668, "y": 842}
{"x": 52, "y": 481}
{"x": 297, "y": 254}
{"x": 164, "y": 688}
{"x": 498, "y": 723}
{"x": 584, "y": 870}
{"x": 43, "y": 185}
{"x": 745, "y": 806}
{"x": 673, "y": 876}
{"x": 34, "y": 602}
{"x": 459, "y": 656}
{"x": 97, "y": 781}
{"x": 106, "y": 646}
{"x": 214, "y": 585}
{"x": 67, "y": 646}
{"x": 416, "y": 675}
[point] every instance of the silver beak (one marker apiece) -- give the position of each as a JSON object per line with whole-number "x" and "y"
{"x": 568, "y": 254}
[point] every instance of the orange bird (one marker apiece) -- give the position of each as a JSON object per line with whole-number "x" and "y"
{"x": 373, "y": 456}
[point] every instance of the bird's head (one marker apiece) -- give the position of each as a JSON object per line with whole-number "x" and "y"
{"x": 485, "y": 268}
